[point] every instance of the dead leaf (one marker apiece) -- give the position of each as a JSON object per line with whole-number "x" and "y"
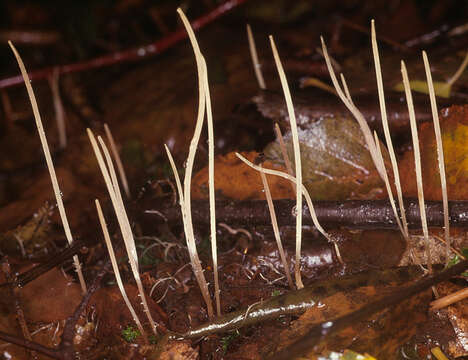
{"x": 336, "y": 163}
{"x": 235, "y": 180}
{"x": 380, "y": 336}
{"x": 454, "y": 129}
{"x": 50, "y": 297}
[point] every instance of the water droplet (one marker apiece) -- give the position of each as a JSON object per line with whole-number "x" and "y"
{"x": 326, "y": 327}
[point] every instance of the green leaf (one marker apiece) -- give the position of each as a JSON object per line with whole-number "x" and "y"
{"x": 441, "y": 89}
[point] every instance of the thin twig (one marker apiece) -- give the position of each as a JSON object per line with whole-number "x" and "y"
{"x": 449, "y": 299}
{"x": 135, "y": 54}
{"x": 31, "y": 345}
{"x": 66, "y": 347}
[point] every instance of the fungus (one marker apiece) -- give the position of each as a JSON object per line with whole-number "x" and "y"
{"x": 49, "y": 162}
{"x": 417, "y": 161}
{"x": 297, "y": 162}
{"x": 110, "y": 178}
{"x": 115, "y": 267}
{"x": 118, "y": 161}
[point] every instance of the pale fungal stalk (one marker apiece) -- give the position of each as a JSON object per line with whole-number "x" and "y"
{"x": 110, "y": 178}
{"x": 276, "y": 232}
{"x": 388, "y": 137}
{"x": 256, "y": 64}
{"x": 459, "y": 71}
{"x": 345, "y": 88}
{"x": 284, "y": 152}
{"x": 440, "y": 154}
{"x": 449, "y": 299}
{"x": 58, "y": 107}
{"x": 313, "y": 215}
{"x": 297, "y": 162}
{"x": 118, "y": 161}
{"x": 211, "y": 190}
{"x": 204, "y": 101}
{"x": 115, "y": 267}
{"x": 50, "y": 164}
{"x": 417, "y": 161}
{"x": 354, "y": 110}
{"x": 387, "y": 185}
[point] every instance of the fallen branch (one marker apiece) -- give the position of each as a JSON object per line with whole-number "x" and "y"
{"x": 135, "y": 54}
{"x": 66, "y": 347}
{"x": 31, "y": 345}
{"x": 310, "y": 108}
{"x": 356, "y": 214}
{"x": 321, "y": 330}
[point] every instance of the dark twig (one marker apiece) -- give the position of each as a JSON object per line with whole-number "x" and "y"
{"x": 66, "y": 349}
{"x": 320, "y": 331}
{"x": 135, "y": 54}
{"x": 56, "y": 260}
{"x": 358, "y": 214}
{"x": 31, "y": 345}
{"x": 16, "y": 298}
{"x": 311, "y": 108}
{"x": 384, "y": 39}
{"x": 66, "y": 346}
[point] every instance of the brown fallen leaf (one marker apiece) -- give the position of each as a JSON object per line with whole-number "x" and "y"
{"x": 179, "y": 350}
{"x": 454, "y": 129}
{"x": 336, "y": 163}
{"x": 380, "y": 336}
{"x": 114, "y": 314}
{"x": 51, "y": 297}
{"x": 236, "y": 180}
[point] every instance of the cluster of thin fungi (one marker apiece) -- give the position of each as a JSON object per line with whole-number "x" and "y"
{"x": 103, "y": 156}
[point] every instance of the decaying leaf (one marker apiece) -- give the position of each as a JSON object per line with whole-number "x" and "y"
{"x": 336, "y": 161}
{"x": 51, "y": 297}
{"x": 179, "y": 350}
{"x": 380, "y": 335}
{"x": 454, "y": 128}
{"x": 31, "y": 238}
{"x": 236, "y": 180}
{"x": 347, "y": 355}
